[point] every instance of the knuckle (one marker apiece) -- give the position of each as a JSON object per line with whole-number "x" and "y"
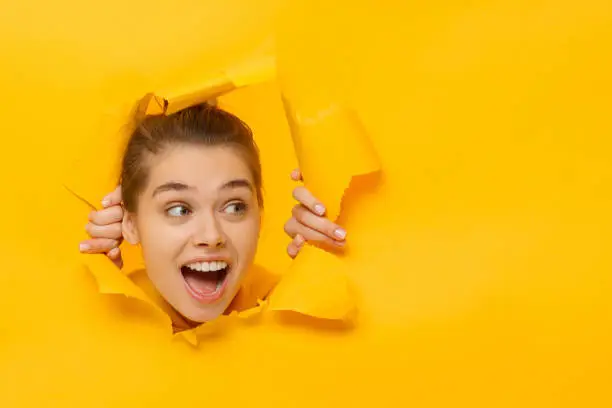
{"x": 116, "y": 213}
{"x": 107, "y": 245}
{"x": 314, "y": 237}
{"x": 298, "y": 240}
{"x": 116, "y": 231}
{"x": 296, "y": 211}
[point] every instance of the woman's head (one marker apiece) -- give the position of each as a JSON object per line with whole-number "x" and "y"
{"x": 191, "y": 186}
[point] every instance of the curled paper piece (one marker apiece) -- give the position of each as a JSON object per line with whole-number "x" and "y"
{"x": 254, "y": 71}
{"x": 330, "y": 141}
{"x": 331, "y": 147}
{"x": 322, "y": 294}
{"x": 111, "y": 281}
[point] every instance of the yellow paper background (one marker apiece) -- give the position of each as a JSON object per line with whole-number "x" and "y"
{"x": 478, "y": 256}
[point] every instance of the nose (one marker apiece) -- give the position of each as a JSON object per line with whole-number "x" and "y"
{"x": 208, "y": 233}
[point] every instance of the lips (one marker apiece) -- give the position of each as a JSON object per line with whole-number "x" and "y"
{"x": 206, "y": 280}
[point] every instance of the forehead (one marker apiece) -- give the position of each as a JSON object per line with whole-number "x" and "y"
{"x": 206, "y": 167}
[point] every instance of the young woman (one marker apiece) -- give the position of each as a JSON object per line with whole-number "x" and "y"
{"x": 306, "y": 224}
{"x": 191, "y": 197}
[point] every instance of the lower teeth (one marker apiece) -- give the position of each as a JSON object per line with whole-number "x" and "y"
{"x": 223, "y": 276}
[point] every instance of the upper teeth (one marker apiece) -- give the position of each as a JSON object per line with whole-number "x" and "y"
{"x": 208, "y": 266}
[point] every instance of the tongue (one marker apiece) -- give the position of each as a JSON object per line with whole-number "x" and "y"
{"x": 204, "y": 283}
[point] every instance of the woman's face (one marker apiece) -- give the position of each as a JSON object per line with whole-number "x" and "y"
{"x": 198, "y": 223}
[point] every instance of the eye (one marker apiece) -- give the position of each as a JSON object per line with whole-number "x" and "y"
{"x": 178, "y": 210}
{"x": 236, "y": 208}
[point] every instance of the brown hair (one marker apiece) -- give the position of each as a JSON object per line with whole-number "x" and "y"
{"x": 201, "y": 124}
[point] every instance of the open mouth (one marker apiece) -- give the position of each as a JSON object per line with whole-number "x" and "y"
{"x": 206, "y": 281}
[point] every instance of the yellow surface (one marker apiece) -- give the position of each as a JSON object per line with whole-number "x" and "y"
{"x": 478, "y": 257}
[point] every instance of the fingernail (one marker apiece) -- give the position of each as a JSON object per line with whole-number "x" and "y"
{"x": 320, "y": 209}
{"x": 340, "y": 233}
{"x": 105, "y": 202}
{"x": 113, "y": 252}
{"x": 84, "y": 247}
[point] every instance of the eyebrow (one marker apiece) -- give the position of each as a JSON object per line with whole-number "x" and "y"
{"x": 171, "y": 186}
{"x": 177, "y": 186}
{"x": 237, "y": 183}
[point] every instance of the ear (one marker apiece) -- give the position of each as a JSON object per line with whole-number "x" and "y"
{"x": 129, "y": 229}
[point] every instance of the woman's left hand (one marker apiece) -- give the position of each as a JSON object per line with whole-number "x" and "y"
{"x": 308, "y": 222}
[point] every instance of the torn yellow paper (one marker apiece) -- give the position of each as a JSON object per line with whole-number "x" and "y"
{"x": 331, "y": 148}
{"x": 257, "y": 67}
{"x": 492, "y": 288}
{"x": 254, "y": 70}
{"x": 318, "y": 292}
{"x": 112, "y": 282}
{"x": 324, "y": 295}
{"x": 330, "y": 141}
{"x": 181, "y": 99}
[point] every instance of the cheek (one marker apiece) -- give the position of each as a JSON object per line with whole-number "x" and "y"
{"x": 244, "y": 236}
{"x": 160, "y": 239}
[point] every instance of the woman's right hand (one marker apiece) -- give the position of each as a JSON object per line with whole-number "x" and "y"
{"x": 104, "y": 229}
{"x": 309, "y": 224}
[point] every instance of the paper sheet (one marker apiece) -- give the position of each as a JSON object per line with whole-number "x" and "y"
{"x": 490, "y": 288}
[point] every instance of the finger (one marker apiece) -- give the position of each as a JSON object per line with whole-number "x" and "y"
{"x": 113, "y": 198}
{"x": 98, "y": 246}
{"x": 115, "y": 256}
{"x": 320, "y": 224}
{"x": 299, "y": 240}
{"x": 118, "y": 262}
{"x": 114, "y": 253}
{"x": 292, "y": 227}
{"x": 305, "y": 197}
{"x": 301, "y": 233}
{"x": 296, "y": 175}
{"x": 294, "y": 247}
{"x": 292, "y": 250}
{"x": 107, "y": 216}
{"x": 112, "y": 231}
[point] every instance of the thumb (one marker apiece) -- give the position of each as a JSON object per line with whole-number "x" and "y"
{"x": 296, "y": 175}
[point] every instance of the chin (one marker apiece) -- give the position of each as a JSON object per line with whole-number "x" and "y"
{"x": 202, "y": 316}
{"x": 203, "y": 313}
